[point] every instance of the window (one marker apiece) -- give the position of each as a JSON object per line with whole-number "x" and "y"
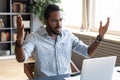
{"x": 72, "y": 12}
{"x": 104, "y": 9}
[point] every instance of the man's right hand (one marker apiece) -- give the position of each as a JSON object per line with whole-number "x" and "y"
{"x": 20, "y": 29}
{"x": 20, "y": 56}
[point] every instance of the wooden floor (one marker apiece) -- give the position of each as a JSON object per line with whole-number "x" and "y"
{"x": 11, "y": 70}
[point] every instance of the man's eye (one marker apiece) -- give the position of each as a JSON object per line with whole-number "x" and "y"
{"x": 55, "y": 20}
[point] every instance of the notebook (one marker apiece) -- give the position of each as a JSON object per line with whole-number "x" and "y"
{"x": 96, "y": 69}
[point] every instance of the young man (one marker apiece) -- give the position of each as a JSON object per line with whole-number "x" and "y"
{"x": 52, "y": 45}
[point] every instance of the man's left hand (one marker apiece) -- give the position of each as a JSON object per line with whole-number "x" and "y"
{"x": 103, "y": 29}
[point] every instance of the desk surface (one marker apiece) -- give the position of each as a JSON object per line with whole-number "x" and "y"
{"x": 116, "y": 76}
{"x": 116, "y": 73}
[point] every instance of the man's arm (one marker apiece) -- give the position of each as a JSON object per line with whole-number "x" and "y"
{"x": 20, "y": 56}
{"x": 19, "y": 53}
{"x": 94, "y": 46}
{"x": 102, "y": 31}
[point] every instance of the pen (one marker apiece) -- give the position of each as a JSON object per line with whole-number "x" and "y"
{"x": 118, "y": 70}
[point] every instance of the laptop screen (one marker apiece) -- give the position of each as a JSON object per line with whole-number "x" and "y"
{"x": 98, "y": 68}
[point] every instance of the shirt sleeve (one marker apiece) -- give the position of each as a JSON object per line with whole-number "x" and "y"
{"x": 79, "y": 47}
{"x": 28, "y": 46}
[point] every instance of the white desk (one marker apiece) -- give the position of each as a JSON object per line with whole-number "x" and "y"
{"x": 116, "y": 75}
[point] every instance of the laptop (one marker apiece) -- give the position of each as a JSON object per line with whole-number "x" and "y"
{"x": 96, "y": 69}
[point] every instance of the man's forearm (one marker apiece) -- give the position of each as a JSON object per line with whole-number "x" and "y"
{"x": 94, "y": 45}
{"x": 20, "y": 56}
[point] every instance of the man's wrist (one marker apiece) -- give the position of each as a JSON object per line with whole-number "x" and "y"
{"x": 19, "y": 43}
{"x": 99, "y": 39}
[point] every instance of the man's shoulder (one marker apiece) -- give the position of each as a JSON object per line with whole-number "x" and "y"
{"x": 39, "y": 31}
{"x": 66, "y": 32}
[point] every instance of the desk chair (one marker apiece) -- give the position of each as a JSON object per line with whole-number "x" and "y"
{"x": 29, "y": 69}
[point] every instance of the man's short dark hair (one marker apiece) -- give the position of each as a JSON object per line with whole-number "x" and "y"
{"x": 50, "y": 8}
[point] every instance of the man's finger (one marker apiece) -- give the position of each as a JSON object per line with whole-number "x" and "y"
{"x": 108, "y": 21}
{"x": 100, "y": 24}
{"x": 22, "y": 27}
{"x": 19, "y": 21}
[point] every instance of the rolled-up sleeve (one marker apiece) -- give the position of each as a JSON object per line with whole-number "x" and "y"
{"x": 28, "y": 46}
{"x": 79, "y": 47}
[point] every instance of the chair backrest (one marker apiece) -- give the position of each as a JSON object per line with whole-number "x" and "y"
{"x": 29, "y": 69}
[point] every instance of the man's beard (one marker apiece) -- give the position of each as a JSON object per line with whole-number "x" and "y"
{"x": 55, "y": 32}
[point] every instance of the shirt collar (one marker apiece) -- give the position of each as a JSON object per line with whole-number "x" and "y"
{"x": 43, "y": 31}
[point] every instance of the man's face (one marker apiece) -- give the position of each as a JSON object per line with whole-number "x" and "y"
{"x": 54, "y": 22}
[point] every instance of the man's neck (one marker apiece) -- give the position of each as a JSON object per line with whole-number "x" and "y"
{"x": 54, "y": 36}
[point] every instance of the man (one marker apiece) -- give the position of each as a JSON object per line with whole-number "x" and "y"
{"x": 52, "y": 45}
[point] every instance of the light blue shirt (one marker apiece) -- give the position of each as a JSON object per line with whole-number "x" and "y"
{"x": 53, "y": 57}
